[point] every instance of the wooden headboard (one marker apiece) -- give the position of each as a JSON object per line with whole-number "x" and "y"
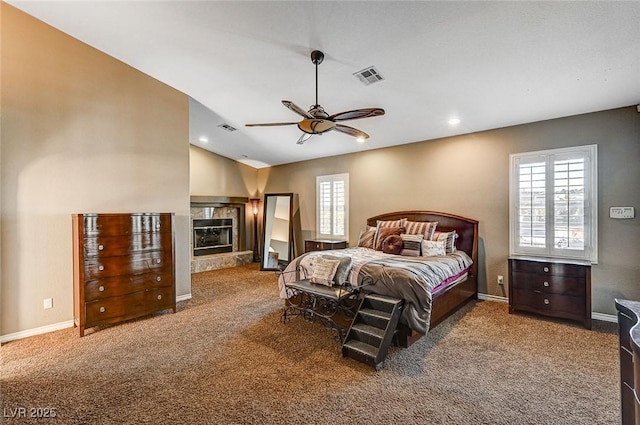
{"x": 466, "y": 228}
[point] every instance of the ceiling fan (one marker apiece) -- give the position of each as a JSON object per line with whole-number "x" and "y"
{"x": 317, "y": 121}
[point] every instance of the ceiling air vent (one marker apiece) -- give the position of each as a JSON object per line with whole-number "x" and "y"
{"x": 369, "y": 75}
{"x": 227, "y": 127}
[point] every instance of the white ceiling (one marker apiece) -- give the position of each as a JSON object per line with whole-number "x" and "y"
{"x": 491, "y": 64}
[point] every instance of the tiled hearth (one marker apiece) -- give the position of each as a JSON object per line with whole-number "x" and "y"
{"x": 214, "y": 207}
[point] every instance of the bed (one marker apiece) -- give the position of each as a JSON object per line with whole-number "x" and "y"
{"x": 432, "y": 287}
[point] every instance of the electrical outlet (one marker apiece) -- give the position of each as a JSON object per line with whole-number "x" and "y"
{"x": 500, "y": 280}
{"x": 48, "y": 303}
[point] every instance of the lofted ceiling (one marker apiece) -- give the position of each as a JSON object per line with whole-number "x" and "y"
{"x": 489, "y": 64}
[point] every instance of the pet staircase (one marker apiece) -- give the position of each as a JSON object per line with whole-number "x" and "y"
{"x": 373, "y": 329}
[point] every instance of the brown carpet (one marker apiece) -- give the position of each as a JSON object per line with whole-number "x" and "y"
{"x": 225, "y": 358}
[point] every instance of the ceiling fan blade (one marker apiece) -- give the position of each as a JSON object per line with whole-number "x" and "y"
{"x": 351, "y": 131}
{"x": 304, "y": 138}
{"x": 271, "y": 124}
{"x": 295, "y": 108}
{"x": 357, "y": 114}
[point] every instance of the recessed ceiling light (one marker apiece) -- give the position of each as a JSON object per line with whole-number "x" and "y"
{"x": 203, "y": 139}
{"x": 454, "y": 121}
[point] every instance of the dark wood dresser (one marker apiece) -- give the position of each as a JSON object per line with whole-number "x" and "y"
{"x": 123, "y": 267}
{"x": 628, "y": 317}
{"x": 553, "y": 288}
{"x": 323, "y": 245}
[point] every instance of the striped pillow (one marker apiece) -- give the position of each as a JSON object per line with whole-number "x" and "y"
{"x": 412, "y": 245}
{"x": 449, "y": 239}
{"x": 366, "y": 237}
{"x": 426, "y": 228}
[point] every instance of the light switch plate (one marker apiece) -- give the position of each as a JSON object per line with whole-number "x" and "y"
{"x": 622, "y": 212}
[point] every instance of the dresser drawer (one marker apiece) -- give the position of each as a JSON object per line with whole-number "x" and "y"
{"x": 549, "y": 284}
{"x": 144, "y": 262}
{"x": 125, "y": 224}
{"x": 626, "y": 366}
{"x": 566, "y": 306}
{"x": 123, "y": 245}
{"x": 122, "y": 285}
{"x": 545, "y": 268}
{"x": 128, "y": 306}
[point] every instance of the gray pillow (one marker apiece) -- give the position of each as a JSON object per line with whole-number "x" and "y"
{"x": 342, "y": 274}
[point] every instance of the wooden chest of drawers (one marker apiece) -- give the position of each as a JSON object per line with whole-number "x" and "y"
{"x": 123, "y": 267}
{"x": 323, "y": 245}
{"x": 551, "y": 288}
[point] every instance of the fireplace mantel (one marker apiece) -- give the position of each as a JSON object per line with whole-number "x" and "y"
{"x": 217, "y": 201}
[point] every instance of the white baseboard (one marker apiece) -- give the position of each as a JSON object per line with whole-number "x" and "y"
{"x": 56, "y": 326}
{"x": 183, "y": 297}
{"x": 494, "y": 298}
{"x": 604, "y": 317}
{"x": 596, "y": 316}
{"x": 36, "y": 331}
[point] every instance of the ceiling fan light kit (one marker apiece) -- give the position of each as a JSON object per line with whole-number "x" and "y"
{"x": 317, "y": 121}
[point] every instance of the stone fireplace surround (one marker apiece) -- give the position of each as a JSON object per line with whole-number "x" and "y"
{"x": 207, "y": 207}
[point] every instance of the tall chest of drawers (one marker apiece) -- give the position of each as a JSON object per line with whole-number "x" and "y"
{"x": 551, "y": 288}
{"x": 123, "y": 267}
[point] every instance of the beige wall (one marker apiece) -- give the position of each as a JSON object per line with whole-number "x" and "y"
{"x": 469, "y": 176}
{"x": 215, "y": 175}
{"x": 81, "y": 132}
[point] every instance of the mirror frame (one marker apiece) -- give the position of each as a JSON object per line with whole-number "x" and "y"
{"x": 264, "y": 258}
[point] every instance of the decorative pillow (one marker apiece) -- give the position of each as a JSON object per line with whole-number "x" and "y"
{"x": 391, "y": 223}
{"x": 365, "y": 239}
{"x": 433, "y": 248}
{"x": 343, "y": 270}
{"x": 412, "y": 245}
{"x": 426, "y": 228}
{"x": 449, "y": 238}
{"x": 392, "y": 244}
{"x": 324, "y": 272}
{"x": 384, "y": 232}
{"x": 382, "y": 224}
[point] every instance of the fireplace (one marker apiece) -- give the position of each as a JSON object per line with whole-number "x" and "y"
{"x": 218, "y": 233}
{"x": 212, "y": 236}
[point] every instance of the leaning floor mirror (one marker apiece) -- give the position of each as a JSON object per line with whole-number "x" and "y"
{"x": 277, "y": 237}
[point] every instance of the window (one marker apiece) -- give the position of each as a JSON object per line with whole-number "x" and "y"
{"x": 332, "y": 206}
{"x": 553, "y": 203}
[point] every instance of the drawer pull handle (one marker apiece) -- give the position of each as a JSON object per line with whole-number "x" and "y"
{"x": 157, "y": 261}
{"x": 100, "y": 247}
{"x": 545, "y": 283}
{"x": 546, "y": 269}
{"x": 546, "y": 301}
{"x": 101, "y": 288}
{"x": 102, "y": 309}
{"x": 159, "y": 297}
{"x": 159, "y": 278}
{"x": 100, "y": 268}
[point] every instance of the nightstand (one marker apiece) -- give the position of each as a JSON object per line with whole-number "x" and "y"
{"x": 550, "y": 287}
{"x": 323, "y": 245}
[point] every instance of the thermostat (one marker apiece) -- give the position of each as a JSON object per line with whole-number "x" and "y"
{"x": 622, "y": 212}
